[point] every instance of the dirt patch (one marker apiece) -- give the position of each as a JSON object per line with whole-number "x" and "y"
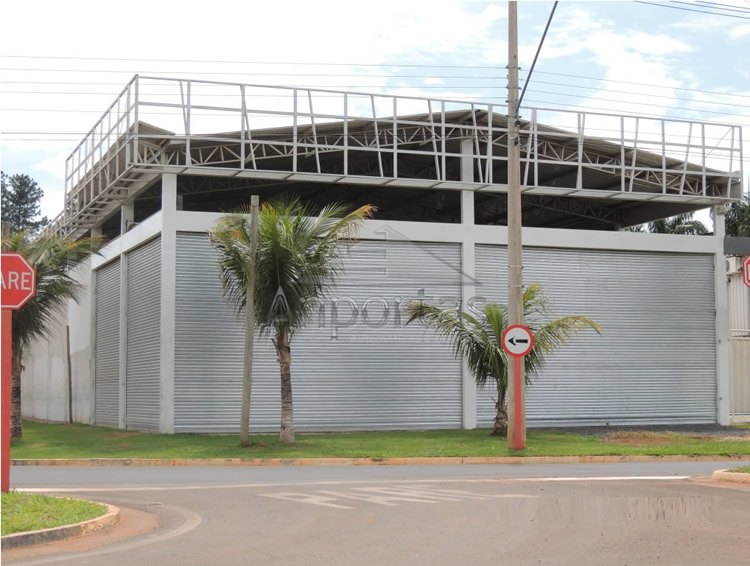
{"x": 124, "y": 434}
{"x": 643, "y": 438}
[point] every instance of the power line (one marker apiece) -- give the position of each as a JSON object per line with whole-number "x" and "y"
{"x": 396, "y": 77}
{"x": 692, "y": 10}
{"x": 444, "y": 87}
{"x": 719, "y": 6}
{"x": 651, "y": 85}
{"x": 436, "y": 87}
{"x": 235, "y": 62}
{"x": 536, "y": 56}
{"x": 270, "y": 74}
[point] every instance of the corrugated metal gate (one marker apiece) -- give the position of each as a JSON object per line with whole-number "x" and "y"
{"x": 107, "y": 344}
{"x": 143, "y": 337}
{"x": 355, "y": 365}
{"x": 655, "y": 362}
{"x": 739, "y": 355}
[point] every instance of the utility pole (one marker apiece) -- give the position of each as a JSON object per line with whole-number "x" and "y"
{"x": 515, "y": 275}
{"x": 247, "y": 373}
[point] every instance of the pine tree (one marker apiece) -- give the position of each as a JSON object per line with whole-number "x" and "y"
{"x": 20, "y": 204}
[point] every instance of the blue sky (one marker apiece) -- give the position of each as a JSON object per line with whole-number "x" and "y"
{"x": 62, "y": 64}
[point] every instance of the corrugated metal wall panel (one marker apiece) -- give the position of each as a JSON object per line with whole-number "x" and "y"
{"x": 107, "y": 344}
{"x": 143, "y": 339}
{"x": 655, "y": 362}
{"x": 739, "y": 355}
{"x": 370, "y": 374}
{"x": 738, "y": 296}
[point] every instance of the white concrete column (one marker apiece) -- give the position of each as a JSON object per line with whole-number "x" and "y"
{"x": 468, "y": 275}
{"x": 95, "y": 231}
{"x": 123, "y": 337}
{"x": 168, "y": 281}
{"x": 127, "y": 216}
{"x": 723, "y": 395}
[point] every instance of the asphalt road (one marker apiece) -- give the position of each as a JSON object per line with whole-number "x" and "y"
{"x": 628, "y": 514}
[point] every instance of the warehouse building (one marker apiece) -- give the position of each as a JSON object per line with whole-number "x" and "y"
{"x": 154, "y": 346}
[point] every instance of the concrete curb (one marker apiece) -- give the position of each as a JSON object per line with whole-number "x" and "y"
{"x": 44, "y": 536}
{"x": 453, "y": 461}
{"x": 726, "y": 475}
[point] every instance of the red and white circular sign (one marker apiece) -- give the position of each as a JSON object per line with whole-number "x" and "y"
{"x": 746, "y": 271}
{"x": 517, "y": 340}
{"x": 18, "y": 280}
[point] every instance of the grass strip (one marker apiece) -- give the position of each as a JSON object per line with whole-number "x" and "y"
{"x": 741, "y": 470}
{"x": 23, "y": 512}
{"x": 83, "y": 441}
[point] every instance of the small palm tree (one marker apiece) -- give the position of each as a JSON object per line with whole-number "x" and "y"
{"x": 54, "y": 258}
{"x": 478, "y": 341}
{"x": 298, "y": 259}
{"x": 680, "y": 224}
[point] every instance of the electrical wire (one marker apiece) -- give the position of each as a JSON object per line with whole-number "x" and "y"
{"x": 691, "y": 10}
{"x": 536, "y": 56}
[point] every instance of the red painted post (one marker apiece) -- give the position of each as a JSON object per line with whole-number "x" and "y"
{"x": 18, "y": 283}
{"x": 518, "y": 413}
{"x": 7, "y": 371}
{"x": 517, "y": 341}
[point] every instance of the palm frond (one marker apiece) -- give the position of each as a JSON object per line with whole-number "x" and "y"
{"x": 55, "y": 260}
{"x": 471, "y": 339}
{"x": 299, "y": 256}
{"x": 478, "y": 342}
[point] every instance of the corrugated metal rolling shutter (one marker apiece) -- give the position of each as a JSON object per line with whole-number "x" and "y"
{"x": 655, "y": 362}
{"x": 374, "y": 374}
{"x": 143, "y": 340}
{"x": 107, "y": 378}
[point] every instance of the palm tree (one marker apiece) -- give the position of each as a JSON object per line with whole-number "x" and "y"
{"x": 298, "y": 259}
{"x": 478, "y": 341}
{"x": 53, "y": 258}
{"x": 680, "y": 224}
{"x": 738, "y": 217}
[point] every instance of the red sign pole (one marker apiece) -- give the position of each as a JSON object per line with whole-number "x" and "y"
{"x": 518, "y": 413}
{"x": 7, "y": 377}
{"x": 517, "y": 341}
{"x": 18, "y": 284}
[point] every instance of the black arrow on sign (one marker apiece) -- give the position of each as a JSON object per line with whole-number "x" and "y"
{"x": 513, "y": 340}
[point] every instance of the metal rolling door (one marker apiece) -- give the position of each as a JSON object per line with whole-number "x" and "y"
{"x": 356, "y": 366}
{"x": 107, "y": 344}
{"x": 143, "y": 339}
{"x": 655, "y": 362}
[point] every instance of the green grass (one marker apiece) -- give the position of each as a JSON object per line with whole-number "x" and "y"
{"x": 741, "y": 470}
{"x": 82, "y": 441}
{"x": 26, "y": 512}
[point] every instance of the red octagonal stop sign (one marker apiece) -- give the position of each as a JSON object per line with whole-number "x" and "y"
{"x": 18, "y": 280}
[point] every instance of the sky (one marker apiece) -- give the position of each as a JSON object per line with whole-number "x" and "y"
{"x": 63, "y": 63}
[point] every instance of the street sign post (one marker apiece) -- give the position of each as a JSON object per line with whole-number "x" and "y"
{"x": 746, "y": 271}
{"x": 517, "y": 341}
{"x": 18, "y": 279}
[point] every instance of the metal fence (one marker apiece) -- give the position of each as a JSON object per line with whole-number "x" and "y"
{"x": 157, "y": 123}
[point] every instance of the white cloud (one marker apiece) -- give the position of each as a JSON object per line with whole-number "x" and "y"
{"x": 739, "y": 32}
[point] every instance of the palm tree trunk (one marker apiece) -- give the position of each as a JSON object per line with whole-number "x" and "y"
{"x": 16, "y": 431}
{"x": 284, "y": 356}
{"x": 501, "y": 412}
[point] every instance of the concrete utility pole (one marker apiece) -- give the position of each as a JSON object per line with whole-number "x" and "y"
{"x": 515, "y": 265}
{"x": 247, "y": 374}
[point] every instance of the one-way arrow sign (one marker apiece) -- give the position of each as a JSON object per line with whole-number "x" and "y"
{"x": 517, "y": 340}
